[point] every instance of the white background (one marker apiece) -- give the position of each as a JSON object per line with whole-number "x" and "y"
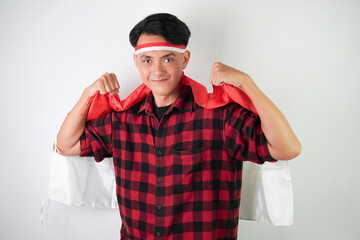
{"x": 304, "y": 55}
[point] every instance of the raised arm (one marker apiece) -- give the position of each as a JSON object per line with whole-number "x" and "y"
{"x": 68, "y": 138}
{"x": 282, "y": 141}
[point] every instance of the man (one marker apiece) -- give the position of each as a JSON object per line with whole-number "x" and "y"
{"x": 177, "y": 164}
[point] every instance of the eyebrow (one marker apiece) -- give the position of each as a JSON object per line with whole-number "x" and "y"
{"x": 165, "y": 56}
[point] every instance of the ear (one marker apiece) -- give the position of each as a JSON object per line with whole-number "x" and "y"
{"x": 186, "y": 59}
{"x": 136, "y": 61}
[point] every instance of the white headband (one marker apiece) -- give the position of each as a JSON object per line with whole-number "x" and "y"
{"x": 159, "y": 46}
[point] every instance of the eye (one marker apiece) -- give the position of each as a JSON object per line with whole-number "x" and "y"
{"x": 168, "y": 60}
{"x": 146, "y": 61}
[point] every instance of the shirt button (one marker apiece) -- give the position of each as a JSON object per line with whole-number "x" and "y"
{"x": 158, "y": 234}
{"x": 159, "y": 153}
{"x": 159, "y": 207}
{"x": 159, "y": 180}
{"x": 156, "y": 128}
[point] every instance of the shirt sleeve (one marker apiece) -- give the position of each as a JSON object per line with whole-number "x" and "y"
{"x": 244, "y": 137}
{"x": 96, "y": 140}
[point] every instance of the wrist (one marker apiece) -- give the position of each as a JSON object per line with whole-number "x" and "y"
{"x": 88, "y": 93}
{"x": 247, "y": 84}
{"x": 82, "y": 105}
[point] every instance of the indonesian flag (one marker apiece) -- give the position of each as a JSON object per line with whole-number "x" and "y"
{"x": 101, "y": 104}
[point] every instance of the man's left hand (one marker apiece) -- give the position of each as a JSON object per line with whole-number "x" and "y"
{"x": 222, "y": 73}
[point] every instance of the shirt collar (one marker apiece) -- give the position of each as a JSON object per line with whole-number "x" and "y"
{"x": 184, "y": 102}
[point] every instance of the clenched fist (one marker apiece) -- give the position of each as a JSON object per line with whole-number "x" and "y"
{"x": 107, "y": 83}
{"x": 222, "y": 73}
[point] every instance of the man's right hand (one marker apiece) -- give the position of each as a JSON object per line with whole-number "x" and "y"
{"x": 68, "y": 142}
{"x": 107, "y": 83}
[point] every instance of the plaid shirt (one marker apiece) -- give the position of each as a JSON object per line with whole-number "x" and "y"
{"x": 180, "y": 177}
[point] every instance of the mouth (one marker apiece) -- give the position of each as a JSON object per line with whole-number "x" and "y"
{"x": 159, "y": 80}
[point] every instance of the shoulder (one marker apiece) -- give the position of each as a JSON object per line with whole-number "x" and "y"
{"x": 238, "y": 117}
{"x": 229, "y": 109}
{"x": 236, "y": 109}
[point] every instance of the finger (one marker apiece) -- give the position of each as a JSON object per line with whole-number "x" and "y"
{"x": 117, "y": 84}
{"x": 101, "y": 86}
{"x": 115, "y": 81}
{"x": 216, "y": 77}
{"x": 111, "y": 80}
{"x": 107, "y": 86}
{"x": 115, "y": 92}
{"x": 108, "y": 82}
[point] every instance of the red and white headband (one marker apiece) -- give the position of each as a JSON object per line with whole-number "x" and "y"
{"x": 159, "y": 46}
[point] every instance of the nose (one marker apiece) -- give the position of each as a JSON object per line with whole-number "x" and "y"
{"x": 158, "y": 68}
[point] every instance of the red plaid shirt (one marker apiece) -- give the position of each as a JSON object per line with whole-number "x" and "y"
{"x": 178, "y": 178}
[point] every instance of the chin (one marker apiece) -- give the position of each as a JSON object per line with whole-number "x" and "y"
{"x": 159, "y": 92}
{"x": 162, "y": 89}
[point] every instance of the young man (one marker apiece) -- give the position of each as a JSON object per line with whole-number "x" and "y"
{"x": 178, "y": 165}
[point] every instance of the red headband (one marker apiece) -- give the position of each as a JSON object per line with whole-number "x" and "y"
{"x": 159, "y": 46}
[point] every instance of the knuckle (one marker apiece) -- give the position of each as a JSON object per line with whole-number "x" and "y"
{"x": 102, "y": 78}
{"x": 106, "y": 75}
{"x": 97, "y": 82}
{"x": 217, "y": 66}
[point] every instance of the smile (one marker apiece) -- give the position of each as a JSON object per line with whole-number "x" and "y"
{"x": 159, "y": 80}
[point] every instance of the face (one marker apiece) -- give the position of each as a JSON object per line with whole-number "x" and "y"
{"x": 161, "y": 70}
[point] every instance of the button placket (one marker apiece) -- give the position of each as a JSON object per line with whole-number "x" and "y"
{"x": 159, "y": 193}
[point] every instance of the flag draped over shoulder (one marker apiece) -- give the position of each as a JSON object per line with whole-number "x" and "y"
{"x": 100, "y": 104}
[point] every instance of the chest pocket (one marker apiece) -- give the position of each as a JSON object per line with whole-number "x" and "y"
{"x": 192, "y": 169}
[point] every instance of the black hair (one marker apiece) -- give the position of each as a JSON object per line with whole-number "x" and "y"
{"x": 161, "y": 24}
